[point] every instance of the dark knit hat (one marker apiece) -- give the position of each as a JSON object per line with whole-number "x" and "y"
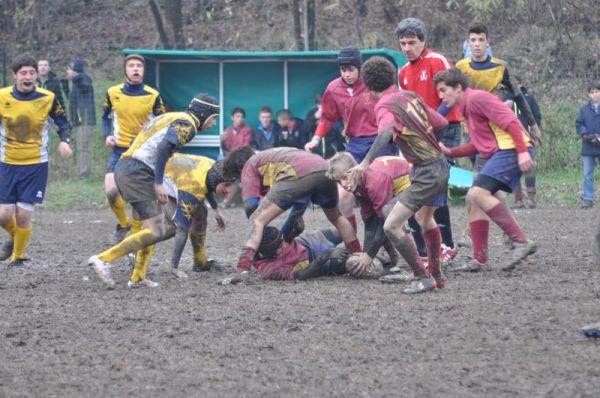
{"x": 204, "y": 107}
{"x": 350, "y": 56}
{"x": 77, "y": 65}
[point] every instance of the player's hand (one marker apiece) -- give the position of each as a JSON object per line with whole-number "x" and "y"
{"x": 310, "y": 146}
{"x": 536, "y": 135}
{"x": 444, "y": 148}
{"x": 161, "y": 192}
{"x": 110, "y": 142}
{"x": 65, "y": 150}
{"x": 360, "y": 268}
{"x": 339, "y": 253}
{"x": 220, "y": 219}
{"x": 525, "y": 162}
{"x": 355, "y": 175}
{"x": 235, "y": 279}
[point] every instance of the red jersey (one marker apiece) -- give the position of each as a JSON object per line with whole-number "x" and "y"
{"x": 418, "y": 76}
{"x": 237, "y": 137}
{"x": 293, "y": 257}
{"x": 385, "y": 178}
{"x": 412, "y": 122}
{"x": 487, "y": 120}
{"x": 353, "y": 104}
{"x": 265, "y": 168}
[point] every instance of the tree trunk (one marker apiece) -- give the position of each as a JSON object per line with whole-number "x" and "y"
{"x": 164, "y": 38}
{"x": 297, "y": 25}
{"x": 310, "y": 24}
{"x": 173, "y": 14}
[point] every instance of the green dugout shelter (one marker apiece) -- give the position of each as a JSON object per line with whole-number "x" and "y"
{"x": 247, "y": 79}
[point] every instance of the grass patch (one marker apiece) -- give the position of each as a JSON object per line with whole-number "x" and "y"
{"x": 74, "y": 194}
{"x": 560, "y": 187}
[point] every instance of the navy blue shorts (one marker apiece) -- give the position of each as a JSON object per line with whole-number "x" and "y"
{"x": 503, "y": 166}
{"x": 23, "y": 183}
{"x": 359, "y": 146}
{"x": 114, "y": 157}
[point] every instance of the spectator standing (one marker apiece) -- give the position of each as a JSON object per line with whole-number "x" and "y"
{"x": 268, "y": 133}
{"x": 588, "y": 129}
{"x": 82, "y": 112}
{"x": 291, "y": 134}
{"x": 48, "y": 80}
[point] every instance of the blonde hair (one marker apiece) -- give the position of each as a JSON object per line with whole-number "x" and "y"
{"x": 339, "y": 164}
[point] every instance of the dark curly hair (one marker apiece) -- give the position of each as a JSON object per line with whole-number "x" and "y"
{"x": 235, "y": 161}
{"x": 270, "y": 242}
{"x": 378, "y": 74}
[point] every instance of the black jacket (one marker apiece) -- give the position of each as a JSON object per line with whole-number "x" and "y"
{"x": 260, "y": 141}
{"x": 53, "y": 84}
{"x": 82, "y": 110}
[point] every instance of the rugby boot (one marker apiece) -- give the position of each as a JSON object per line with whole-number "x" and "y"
{"x": 469, "y": 265}
{"x": 400, "y": 276}
{"x": 103, "y": 270}
{"x": 6, "y": 250}
{"x": 420, "y": 285}
{"x": 518, "y": 205}
{"x": 592, "y": 330}
{"x": 520, "y": 251}
{"x": 19, "y": 262}
{"x": 440, "y": 280}
{"x": 200, "y": 267}
{"x": 179, "y": 273}
{"x": 448, "y": 253}
{"x": 142, "y": 283}
{"x": 119, "y": 234}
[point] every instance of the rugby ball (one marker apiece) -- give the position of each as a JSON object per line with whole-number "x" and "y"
{"x": 374, "y": 271}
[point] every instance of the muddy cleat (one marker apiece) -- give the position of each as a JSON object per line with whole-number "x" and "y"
{"x": 200, "y": 267}
{"x": 448, "y": 253}
{"x": 592, "y": 330}
{"x": 518, "y": 205}
{"x": 401, "y": 276}
{"x": 179, "y": 273}
{"x": 119, "y": 234}
{"x": 103, "y": 271}
{"x": 420, "y": 285}
{"x": 141, "y": 283}
{"x": 440, "y": 280}
{"x": 6, "y": 250}
{"x": 470, "y": 265}
{"x": 18, "y": 263}
{"x": 520, "y": 251}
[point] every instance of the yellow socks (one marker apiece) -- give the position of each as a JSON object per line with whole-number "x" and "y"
{"x": 136, "y": 226}
{"x": 142, "y": 259}
{"x": 132, "y": 243}
{"x": 198, "y": 248}
{"x": 11, "y": 227}
{"x": 117, "y": 204}
{"x": 21, "y": 239}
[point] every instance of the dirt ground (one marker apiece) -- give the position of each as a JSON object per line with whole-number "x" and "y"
{"x": 488, "y": 334}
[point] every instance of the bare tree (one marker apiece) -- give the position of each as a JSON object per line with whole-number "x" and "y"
{"x": 173, "y": 14}
{"x": 164, "y": 38}
{"x": 304, "y": 24}
{"x": 297, "y": 26}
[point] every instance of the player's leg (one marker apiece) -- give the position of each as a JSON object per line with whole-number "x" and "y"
{"x": 117, "y": 205}
{"x": 9, "y": 224}
{"x": 433, "y": 242}
{"x": 531, "y": 191}
{"x": 197, "y": 236}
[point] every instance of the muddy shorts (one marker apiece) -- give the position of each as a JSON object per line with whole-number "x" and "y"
{"x": 359, "y": 146}
{"x": 114, "y": 157}
{"x": 314, "y": 187}
{"x": 503, "y": 168}
{"x": 23, "y": 182}
{"x": 135, "y": 181}
{"x": 428, "y": 185}
{"x": 321, "y": 242}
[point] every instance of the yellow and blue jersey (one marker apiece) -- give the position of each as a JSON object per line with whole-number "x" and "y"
{"x": 177, "y": 128}
{"x": 185, "y": 180}
{"x": 130, "y": 107}
{"x": 25, "y": 124}
{"x": 489, "y": 75}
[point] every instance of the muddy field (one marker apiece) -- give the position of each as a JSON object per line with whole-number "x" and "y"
{"x": 488, "y": 334}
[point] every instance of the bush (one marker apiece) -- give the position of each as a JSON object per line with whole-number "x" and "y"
{"x": 561, "y": 148}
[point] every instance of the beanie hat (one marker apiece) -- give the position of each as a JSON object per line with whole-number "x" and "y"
{"x": 77, "y": 65}
{"x": 350, "y": 56}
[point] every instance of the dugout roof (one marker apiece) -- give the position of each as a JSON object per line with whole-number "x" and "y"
{"x": 248, "y": 79}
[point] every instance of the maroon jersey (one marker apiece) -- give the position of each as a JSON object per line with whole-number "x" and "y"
{"x": 412, "y": 122}
{"x": 385, "y": 178}
{"x": 293, "y": 257}
{"x": 237, "y": 137}
{"x": 353, "y": 104}
{"x": 267, "y": 167}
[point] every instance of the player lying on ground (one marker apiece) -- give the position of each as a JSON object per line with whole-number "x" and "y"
{"x": 499, "y": 137}
{"x": 404, "y": 117}
{"x": 307, "y": 256}
{"x": 139, "y": 177}
{"x": 377, "y": 191}
{"x": 287, "y": 178}
{"x": 189, "y": 179}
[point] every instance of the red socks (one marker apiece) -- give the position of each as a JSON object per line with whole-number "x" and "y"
{"x": 507, "y": 223}
{"x": 480, "y": 230}
{"x": 433, "y": 241}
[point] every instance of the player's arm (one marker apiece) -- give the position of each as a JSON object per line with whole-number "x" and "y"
{"x": 211, "y": 197}
{"x": 355, "y": 174}
{"x": 314, "y": 269}
{"x": 106, "y": 122}
{"x": 159, "y": 107}
{"x": 57, "y": 114}
{"x": 523, "y": 106}
{"x": 329, "y": 115}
